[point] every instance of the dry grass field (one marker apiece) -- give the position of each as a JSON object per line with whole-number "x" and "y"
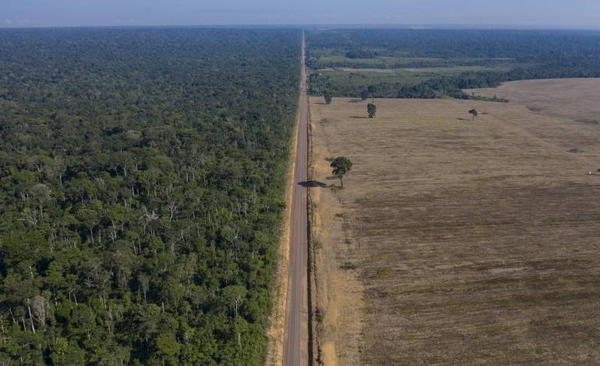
{"x": 567, "y": 98}
{"x": 460, "y": 242}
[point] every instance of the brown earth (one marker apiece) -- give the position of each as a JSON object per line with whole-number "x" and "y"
{"x": 338, "y": 292}
{"x": 279, "y": 298}
{"x": 460, "y": 242}
{"x": 567, "y": 98}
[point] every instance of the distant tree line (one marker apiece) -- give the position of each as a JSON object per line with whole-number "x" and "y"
{"x": 522, "y": 55}
{"x": 360, "y": 53}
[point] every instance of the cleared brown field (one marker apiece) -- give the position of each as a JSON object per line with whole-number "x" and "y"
{"x": 459, "y": 242}
{"x": 568, "y": 98}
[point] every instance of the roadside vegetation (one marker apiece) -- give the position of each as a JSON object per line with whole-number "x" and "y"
{"x": 141, "y": 181}
{"x": 407, "y": 63}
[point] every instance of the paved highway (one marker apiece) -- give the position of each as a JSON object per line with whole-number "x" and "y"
{"x": 295, "y": 351}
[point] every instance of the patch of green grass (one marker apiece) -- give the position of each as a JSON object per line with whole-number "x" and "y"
{"x": 317, "y": 244}
{"x": 338, "y": 60}
{"x": 351, "y": 83}
{"x": 408, "y": 337}
{"x": 385, "y": 81}
{"x": 510, "y": 303}
{"x": 384, "y": 271}
{"x": 348, "y": 266}
{"x": 387, "y": 257}
{"x": 319, "y": 316}
{"x": 587, "y": 121}
{"x": 394, "y": 59}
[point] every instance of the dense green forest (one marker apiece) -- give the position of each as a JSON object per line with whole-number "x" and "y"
{"x": 141, "y": 180}
{"x": 502, "y": 55}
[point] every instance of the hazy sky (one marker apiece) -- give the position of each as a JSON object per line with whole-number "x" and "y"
{"x": 538, "y": 13}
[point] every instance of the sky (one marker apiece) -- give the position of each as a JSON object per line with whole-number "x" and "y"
{"x": 583, "y": 14}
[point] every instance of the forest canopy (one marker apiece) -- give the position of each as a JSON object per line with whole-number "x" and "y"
{"x": 141, "y": 180}
{"x": 437, "y": 63}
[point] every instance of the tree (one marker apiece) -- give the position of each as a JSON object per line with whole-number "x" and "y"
{"x": 341, "y": 165}
{"x": 364, "y": 94}
{"x": 167, "y": 347}
{"x": 234, "y": 296}
{"x": 371, "y": 109}
{"x": 327, "y": 97}
{"x": 473, "y": 112}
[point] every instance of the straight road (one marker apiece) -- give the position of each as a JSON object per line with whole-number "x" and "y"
{"x": 295, "y": 351}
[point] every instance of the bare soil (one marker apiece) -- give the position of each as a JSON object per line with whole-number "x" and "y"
{"x": 338, "y": 292}
{"x": 567, "y": 98}
{"x": 460, "y": 242}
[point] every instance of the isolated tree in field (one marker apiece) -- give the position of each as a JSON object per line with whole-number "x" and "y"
{"x": 474, "y": 113}
{"x": 327, "y": 97}
{"x": 371, "y": 109}
{"x": 364, "y": 94}
{"x": 341, "y": 165}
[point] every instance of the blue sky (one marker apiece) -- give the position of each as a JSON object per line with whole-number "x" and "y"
{"x": 537, "y": 13}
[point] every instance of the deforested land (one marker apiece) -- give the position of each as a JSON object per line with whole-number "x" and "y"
{"x": 459, "y": 240}
{"x": 141, "y": 181}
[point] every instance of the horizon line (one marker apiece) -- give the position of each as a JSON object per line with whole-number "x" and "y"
{"x": 440, "y": 26}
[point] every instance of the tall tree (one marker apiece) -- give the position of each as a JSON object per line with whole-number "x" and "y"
{"x": 474, "y": 113}
{"x": 327, "y": 97}
{"x": 371, "y": 109}
{"x": 341, "y": 165}
{"x": 364, "y": 94}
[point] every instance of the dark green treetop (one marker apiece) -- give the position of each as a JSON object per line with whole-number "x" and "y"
{"x": 341, "y": 165}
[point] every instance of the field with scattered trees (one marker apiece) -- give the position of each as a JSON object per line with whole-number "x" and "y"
{"x": 141, "y": 180}
{"x": 466, "y": 232}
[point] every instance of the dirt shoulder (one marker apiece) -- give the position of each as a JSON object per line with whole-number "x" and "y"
{"x": 339, "y": 292}
{"x": 277, "y": 319}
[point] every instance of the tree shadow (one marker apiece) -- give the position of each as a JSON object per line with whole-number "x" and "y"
{"x": 463, "y": 119}
{"x": 312, "y": 184}
{"x": 355, "y": 101}
{"x": 359, "y": 117}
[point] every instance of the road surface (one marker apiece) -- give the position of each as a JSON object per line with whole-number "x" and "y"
{"x": 295, "y": 353}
